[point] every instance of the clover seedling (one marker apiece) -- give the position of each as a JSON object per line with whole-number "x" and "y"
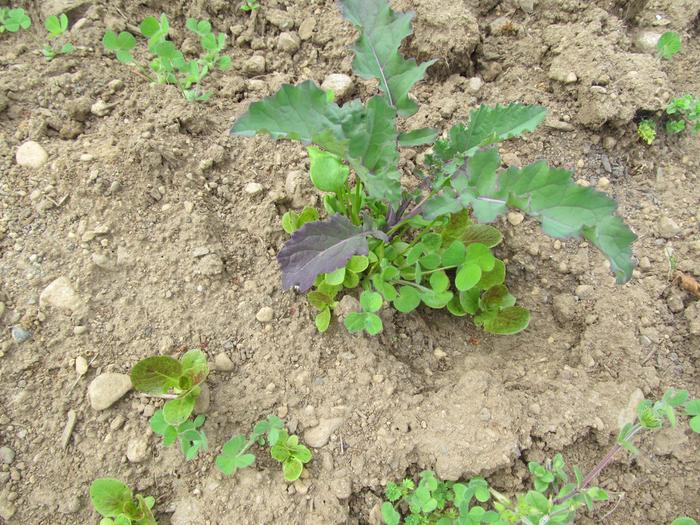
{"x": 13, "y": 20}
{"x": 685, "y": 112}
{"x": 284, "y": 448}
{"x": 177, "y": 381}
{"x": 56, "y": 26}
{"x": 115, "y": 502}
{"x": 426, "y": 244}
{"x": 169, "y": 65}
{"x": 558, "y": 493}
{"x": 668, "y": 45}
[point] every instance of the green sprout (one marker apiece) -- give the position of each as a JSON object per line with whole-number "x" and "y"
{"x": 169, "y": 65}
{"x": 685, "y": 112}
{"x": 284, "y": 448}
{"x": 558, "y": 492}
{"x": 178, "y": 382}
{"x": 115, "y": 502}
{"x": 13, "y": 20}
{"x": 647, "y": 131}
{"x": 668, "y": 45}
{"x": 250, "y": 5}
{"x": 56, "y": 26}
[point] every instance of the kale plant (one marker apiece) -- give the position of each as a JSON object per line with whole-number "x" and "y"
{"x": 115, "y": 502}
{"x": 177, "y": 381}
{"x": 557, "y": 493}
{"x": 284, "y": 448}
{"x": 56, "y": 26}
{"x": 424, "y": 243}
{"x": 169, "y": 65}
{"x": 13, "y": 20}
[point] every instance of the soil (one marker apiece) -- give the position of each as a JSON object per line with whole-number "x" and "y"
{"x": 142, "y": 208}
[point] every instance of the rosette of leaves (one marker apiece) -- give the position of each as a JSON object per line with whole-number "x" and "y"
{"x": 56, "y": 26}
{"x": 178, "y": 381}
{"x": 684, "y": 113}
{"x": 428, "y": 246}
{"x": 114, "y": 501}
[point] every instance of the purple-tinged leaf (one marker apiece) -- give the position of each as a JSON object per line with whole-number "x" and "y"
{"x": 322, "y": 247}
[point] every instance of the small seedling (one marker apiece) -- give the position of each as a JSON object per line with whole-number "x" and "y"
{"x": 668, "y": 45}
{"x": 115, "y": 502}
{"x": 647, "y": 131}
{"x": 177, "y": 381}
{"x": 417, "y": 244}
{"x": 56, "y": 26}
{"x": 284, "y": 448}
{"x": 250, "y": 5}
{"x": 558, "y": 493}
{"x": 13, "y": 20}
{"x": 169, "y": 65}
{"x": 685, "y": 114}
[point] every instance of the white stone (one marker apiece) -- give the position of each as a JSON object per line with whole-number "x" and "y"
{"x": 137, "y": 449}
{"x": 265, "y": 314}
{"x": 474, "y": 84}
{"x": 646, "y": 41}
{"x": 253, "y": 188}
{"x": 340, "y": 84}
{"x": 60, "y": 294}
{"x": 223, "y": 363}
{"x": 106, "y": 389}
{"x": 515, "y": 218}
{"x": 31, "y": 155}
{"x": 319, "y": 435}
{"x": 81, "y": 365}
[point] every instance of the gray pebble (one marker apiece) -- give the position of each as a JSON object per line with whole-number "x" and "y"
{"x": 19, "y": 334}
{"x": 7, "y": 455}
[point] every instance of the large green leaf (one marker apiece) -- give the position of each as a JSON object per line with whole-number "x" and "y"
{"x": 155, "y": 375}
{"x": 110, "y": 496}
{"x": 377, "y": 50}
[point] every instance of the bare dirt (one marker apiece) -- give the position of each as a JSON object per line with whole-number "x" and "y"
{"x": 143, "y": 209}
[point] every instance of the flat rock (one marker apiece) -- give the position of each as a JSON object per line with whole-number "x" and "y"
{"x": 60, "y": 294}
{"x": 319, "y": 435}
{"x": 668, "y": 228}
{"x": 223, "y": 363}
{"x": 31, "y": 155}
{"x": 106, "y": 389}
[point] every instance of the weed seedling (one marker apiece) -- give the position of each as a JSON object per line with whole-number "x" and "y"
{"x": 557, "y": 492}
{"x": 115, "y": 502}
{"x": 417, "y": 244}
{"x": 685, "y": 114}
{"x": 250, "y": 5}
{"x": 169, "y": 65}
{"x": 284, "y": 448}
{"x": 13, "y": 20}
{"x": 668, "y": 45}
{"x": 56, "y": 26}
{"x": 647, "y": 131}
{"x": 177, "y": 381}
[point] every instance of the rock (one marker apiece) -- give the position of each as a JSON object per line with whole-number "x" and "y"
{"x": 78, "y": 109}
{"x": 474, "y": 85}
{"x": 265, "y": 314}
{"x": 562, "y": 75}
{"x": 675, "y": 303}
{"x": 106, "y": 389}
{"x": 70, "y": 505}
{"x": 526, "y": 5}
{"x": 280, "y": 19}
{"x": 81, "y": 365}
{"x": 19, "y": 334}
{"x": 73, "y": 9}
{"x": 253, "y": 188}
{"x": 646, "y": 41}
{"x": 288, "y": 42}
{"x": 31, "y": 155}
{"x": 209, "y": 265}
{"x": 101, "y": 108}
{"x": 188, "y": 511}
{"x": 667, "y": 228}
{"x": 79, "y": 330}
{"x": 137, "y": 449}
{"x": 7, "y": 455}
{"x": 564, "y": 308}
{"x": 340, "y": 84}
{"x": 319, "y": 435}
{"x": 670, "y": 441}
{"x": 346, "y": 305}
{"x": 515, "y": 218}
{"x": 306, "y": 28}
{"x": 254, "y": 66}
{"x": 68, "y": 429}
{"x": 223, "y": 363}
{"x": 60, "y": 294}
{"x": 342, "y": 488}
{"x": 608, "y": 144}
{"x": 203, "y": 400}
{"x": 603, "y": 183}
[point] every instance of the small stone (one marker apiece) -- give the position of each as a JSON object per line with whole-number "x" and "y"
{"x": 584, "y": 291}
{"x": 223, "y": 363}
{"x": 7, "y": 455}
{"x": 108, "y": 388}
{"x": 340, "y": 84}
{"x": 78, "y": 109}
{"x": 280, "y": 19}
{"x": 71, "y": 504}
{"x": 19, "y": 334}
{"x": 561, "y": 75}
{"x": 137, "y": 449}
{"x": 79, "y": 330}
{"x": 319, "y": 435}
{"x": 485, "y": 414}
{"x": 609, "y": 143}
{"x": 515, "y": 218}
{"x": 301, "y": 487}
{"x": 564, "y": 308}
{"x": 644, "y": 264}
{"x": 439, "y": 353}
{"x": 265, "y": 314}
{"x": 210, "y": 265}
{"x": 306, "y": 28}
{"x": 603, "y": 183}
{"x": 101, "y": 108}
{"x": 254, "y": 66}
{"x": 68, "y": 429}
{"x": 288, "y": 42}
{"x": 7, "y": 508}
{"x": 103, "y": 261}
{"x": 60, "y": 294}
{"x": 646, "y": 41}
{"x": 188, "y": 511}
{"x": 253, "y": 188}
{"x": 474, "y": 85}
{"x": 200, "y": 251}
{"x": 675, "y": 303}
{"x": 526, "y": 5}
{"x": 117, "y": 422}
{"x": 668, "y": 228}
{"x": 81, "y": 365}
{"x": 148, "y": 411}
{"x": 87, "y": 157}
{"x": 31, "y": 155}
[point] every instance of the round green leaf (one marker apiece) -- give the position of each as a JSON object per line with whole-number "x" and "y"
{"x": 439, "y": 281}
{"x": 319, "y": 300}
{"x": 109, "y": 496}
{"x": 292, "y": 469}
{"x": 694, "y": 424}
{"x": 508, "y": 321}
{"x": 497, "y": 297}
{"x": 302, "y": 453}
{"x": 430, "y": 261}
{"x": 351, "y": 280}
{"x": 454, "y": 255}
{"x": 432, "y": 241}
{"x": 124, "y": 56}
{"x": 669, "y": 44}
{"x": 408, "y": 299}
{"x": 389, "y": 514}
{"x": 358, "y": 263}
{"x": 370, "y": 301}
{"x": 110, "y": 41}
{"x": 327, "y": 172}
{"x": 149, "y": 27}
{"x": 684, "y": 520}
{"x": 195, "y": 366}
{"x": 481, "y": 254}
{"x": 323, "y": 320}
{"x": 373, "y": 324}
{"x": 154, "y": 375}
{"x": 354, "y": 322}
{"x": 467, "y": 276}
{"x": 470, "y": 300}
{"x": 176, "y": 411}
{"x": 335, "y": 278}
{"x": 67, "y": 48}
{"x": 126, "y": 40}
{"x": 436, "y": 300}
{"x": 455, "y": 307}
{"x": 496, "y": 276}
